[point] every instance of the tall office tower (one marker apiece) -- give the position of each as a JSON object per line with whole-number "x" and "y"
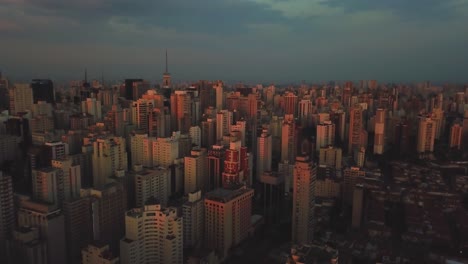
{"x": 358, "y": 200}
{"x": 305, "y": 112}
{"x": 195, "y": 171}
{"x": 51, "y": 225}
{"x": 108, "y": 206}
{"x": 114, "y": 120}
{"x": 157, "y": 125}
{"x": 264, "y": 153}
{"x": 7, "y": 212}
{"x": 71, "y": 177}
{"x": 465, "y": 130}
{"x": 426, "y": 135}
{"x": 180, "y": 111}
{"x": 288, "y": 139}
{"x": 352, "y": 176}
{"x": 346, "y": 97}
{"x": 236, "y": 167}
{"x": 325, "y": 135}
{"x": 223, "y": 124}
{"x": 240, "y": 126}
{"x": 141, "y": 109}
{"x": 305, "y": 174}
{"x": 330, "y": 156}
{"x": 359, "y": 156}
{"x": 218, "y": 87}
{"x": 43, "y": 90}
{"x": 252, "y": 108}
{"x": 141, "y": 150}
{"x": 4, "y": 92}
{"x": 127, "y": 89}
{"x": 153, "y": 234}
{"x": 355, "y": 128}
{"x": 215, "y": 166}
{"x": 379, "y": 130}
{"x": 193, "y": 213}
{"x": 168, "y": 151}
{"x": 77, "y": 226}
{"x": 21, "y": 98}
{"x": 109, "y": 155}
{"x": 49, "y": 186}
{"x": 439, "y": 121}
{"x": 290, "y": 103}
{"x": 92, "y": 107}
{"x": 9, "y": 148}
{"x": 227, "y": 218}
{"x": 152, "y": 183}
{"x": 97, "y": 253}
{"x": 26, "y": 246}
{"x": 456, "y": 136}
{"x": 208, "y": 133}
{"x": 195, "y": 135}
{"x": 80, "y": 121}
{"x": 401, "y": 137}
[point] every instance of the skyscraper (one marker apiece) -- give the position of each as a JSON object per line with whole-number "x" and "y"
{"x": 193, "y": 213}
{"x": 290, "y": 104}
{"x": 305, "y": 174}
{"x": 7, "y": 212}
{"x": 426, "y": 135}
{"x": 330, "y": 156}
{"x": 153, "y": 234}
{"x": 227, "y": 218}
{"x": 195, "y": 171}
{"x": 325, "y": 135}
{"x": 21, "y": 98}
{"x": 223, "y": 124}
{"x": 142, "y": 150}
{"x": 355, "y": 128}
{"x": 264, "y": 153}
{"x": 152, "y": 183}
{"x": 379, "y": 137}
{"x": 288, "y": 139}
{"x": 109, "y": 155}
{"x": 43, "y": 90}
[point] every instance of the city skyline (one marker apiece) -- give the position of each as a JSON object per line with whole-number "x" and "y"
{"x": 249, "y": 40}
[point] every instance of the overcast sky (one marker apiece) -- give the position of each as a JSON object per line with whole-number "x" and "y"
{"x": 264, "y": 40}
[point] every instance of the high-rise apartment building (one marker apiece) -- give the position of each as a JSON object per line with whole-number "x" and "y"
{"x": 141, "y": 150}
{"x": 21, "y": 98}
{"x": 288, "y": 139}
{"x": 49, "y": 185}
{"x": 355, "y": 128}
{"x": 325, "y": 135}
{"x": 180, "y": 111}
{"x": 305, "y": 112}
{"x": 379, "y": 130}
{"x": 236, "y": 167}
{"x": 92, "y": 107}
{"x": 227, "y": 218}
{"x": 352, "y": 176}
{"x": 456, "y": 132}
{"x": 152, "y": 183}
{"x": 71, "y": 177}
{"x": 109, "y": 155}
{"x": 195, "y": 171}
{"x": 141, "y": 109}
{"x": 7, "y": 211}
{"x": 426, "y": 135}
{"x": 97, "y": 253}
{"x": 290, "y": 103}
{"x": 264, "y": 153}
{"x": 223, "y": 124}
{"x": 43, "y": 90}
{"x": 193, "y": 213}
{"x": 330, "y": 156}
{"x": 153, "y": 234}
{"x": 305, "y": 173}
{"x": 167, "y": 150}
{"x": 208, "y": 133}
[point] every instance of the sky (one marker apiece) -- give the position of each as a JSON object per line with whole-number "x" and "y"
{"x": 244, "y": 40}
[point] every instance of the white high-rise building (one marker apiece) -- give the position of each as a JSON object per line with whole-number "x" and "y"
{"x": 142, "y": 150}
{"x": 71, "y": 177}
{"x": 330, "y": 156}
{"x": 153, "y": 234}
{"x": 97, "y": 254}
{"x": 195, "y": 171}
{"x": 305, "y": 173}
{"x": 325, "y": 135}
{"x": 223, "y": 124}
{"x": 426, "y": 135}
{"x": 379, "y": 130}
{"x": 264, "y": 153}
{"x": 219, "y": 95}
{"x": 92, "y": 107}
{"x": 109, "y": 156}
{"x": 194, "y": 215}
{"x": 195, "y": 135}
{"x": 167, "y": 150}
{"x": 49, "y": 185}
{"x": 152, "y": 183}
{"x": 240, "y": 126}
{"x": 21, "y": 98}
{"x": 305, "y": 112}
